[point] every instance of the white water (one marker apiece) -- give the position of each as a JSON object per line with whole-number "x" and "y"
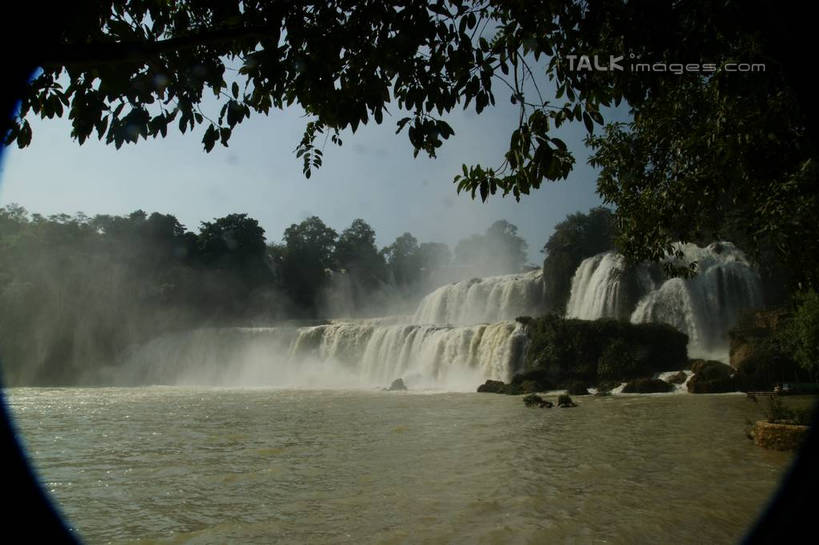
{"x": 704, "y": 307}
{"x": 600, "y": 288}
{"x": 460, "y": 335}
{"x": 483, "y": 300}
{"x": 348, "y": 354}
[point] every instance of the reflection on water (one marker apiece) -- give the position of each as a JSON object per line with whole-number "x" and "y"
{"x": 188, "y": 465}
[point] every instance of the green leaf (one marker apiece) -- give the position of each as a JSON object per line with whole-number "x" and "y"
{"x": 587, "y": 120}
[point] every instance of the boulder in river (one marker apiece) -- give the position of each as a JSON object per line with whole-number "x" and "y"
{"x": 563, "y": 401}
{"x": 711, "y": 377}
{"x": 534, "y": 400}
{"x": 397, "y": 385}
{"x": 499, "y": 387}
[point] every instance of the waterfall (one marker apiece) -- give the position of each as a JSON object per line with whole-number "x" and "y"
{"x": 703, "y": 307}
{"x": 483, "y": 300}
{"x": 604, "y": 287}
{"x": 706, "y": 306}
{"x": 460, "y": 335}
{"x": 344, "y": 354}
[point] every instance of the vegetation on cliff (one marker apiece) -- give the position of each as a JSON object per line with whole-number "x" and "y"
{"x": 563, "y": 351}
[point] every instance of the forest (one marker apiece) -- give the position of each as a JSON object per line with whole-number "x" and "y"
{"x": 77, "y": 290}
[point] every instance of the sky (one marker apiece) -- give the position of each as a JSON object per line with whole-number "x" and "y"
{"x": 372, "y": 176}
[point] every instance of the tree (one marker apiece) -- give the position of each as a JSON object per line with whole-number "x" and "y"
{"x": 307, "y": 259}
{"x": 707, "y": 160}
{"x": 403, "y": 260}
{"x": 356, "y": 252}
{"x": 134, "y": 69}
{"x": 801, "y": 335}
{"x": 499, "y": 251}
{"x": 577, "y": 237}
{"x": 234, "y": 241}
{"x": 433, "y": 256}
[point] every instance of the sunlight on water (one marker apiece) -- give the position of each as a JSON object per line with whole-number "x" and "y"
{"x": 192, "y": 465}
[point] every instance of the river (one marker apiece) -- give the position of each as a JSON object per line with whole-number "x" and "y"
{"x": 209, "y": 465}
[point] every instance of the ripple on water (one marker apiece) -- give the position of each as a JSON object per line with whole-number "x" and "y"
{"x": 187, "y": 465}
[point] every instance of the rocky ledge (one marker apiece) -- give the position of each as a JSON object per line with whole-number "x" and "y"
{"x": 778, "y": 435}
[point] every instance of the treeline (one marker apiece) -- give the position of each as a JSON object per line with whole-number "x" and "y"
{"x": 76, "y": 290}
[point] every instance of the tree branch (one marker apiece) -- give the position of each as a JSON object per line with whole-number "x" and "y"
{"x": 94, "y": 54}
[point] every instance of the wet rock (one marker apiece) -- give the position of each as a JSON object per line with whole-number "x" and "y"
{"x": 534, "y": 400}
{"x": 677, "y": 378}
{"x": 534, "y": 381}
{"x": 647, "y": 386}
{"x": 499, "y": 387}
{"x": 778, "y": 436}
{"x": 563, "y": 401}
{"x": 711, "y": 377}
{"x": 604, "y": 388}
{"x": 530, "y": 387}
{"x": 397, "y": 385}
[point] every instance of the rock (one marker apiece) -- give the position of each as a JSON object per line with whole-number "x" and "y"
{"x": 492, "y": 387}
{"x": 577, "y": 388}
{"x": 647, "y": 386}
{"x": 593, "y": 351}
{"x": 711, "y": 369}
{"x": 607, "y": 387}
{"x": 534, "y": 400}
{"x": 778, "y": 436}
{"x": 499, "y": 387}
{"x": 530, "y": 387}
{"x": 752, "y": 331}
{"x": 677, "y": 378}
{"x": 538, "y": 381}
{"x": 711, "y": 377}
{"x": 563, "y": 401}
{"x": 397, "y": 385}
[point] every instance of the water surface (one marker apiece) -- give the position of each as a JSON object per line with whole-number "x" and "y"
{"x": 201, "y": 466}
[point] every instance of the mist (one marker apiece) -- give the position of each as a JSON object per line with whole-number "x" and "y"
{"x": 140, "y": 299}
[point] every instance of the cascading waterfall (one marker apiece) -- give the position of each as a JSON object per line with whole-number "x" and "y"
{"x": 604, "y": 287}
{"x": 341, "y": 354}
{"x": 484, "y": 300}
{"x": 704, "y": 307}
{"x": 460, "y": 335}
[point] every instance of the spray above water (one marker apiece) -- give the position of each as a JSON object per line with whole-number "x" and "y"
{"x": 703, "y": 307}
{"x": 461, "y": 334}
{"x": 347, "y": 354}
{"x": 480, "y": 300}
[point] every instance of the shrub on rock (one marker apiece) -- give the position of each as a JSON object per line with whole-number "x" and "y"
{"x": 534, "y": 400}
{"x": 499, "y": 387}
{"x": 563, "y": 400}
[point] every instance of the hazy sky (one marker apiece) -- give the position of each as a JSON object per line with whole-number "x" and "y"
{"x": 372, "y": 176}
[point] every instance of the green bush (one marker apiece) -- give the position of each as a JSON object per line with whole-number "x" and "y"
{"x": 617, "y": 362}
{"x": 568, "y": 350}
{"x": 803, "y": 333}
